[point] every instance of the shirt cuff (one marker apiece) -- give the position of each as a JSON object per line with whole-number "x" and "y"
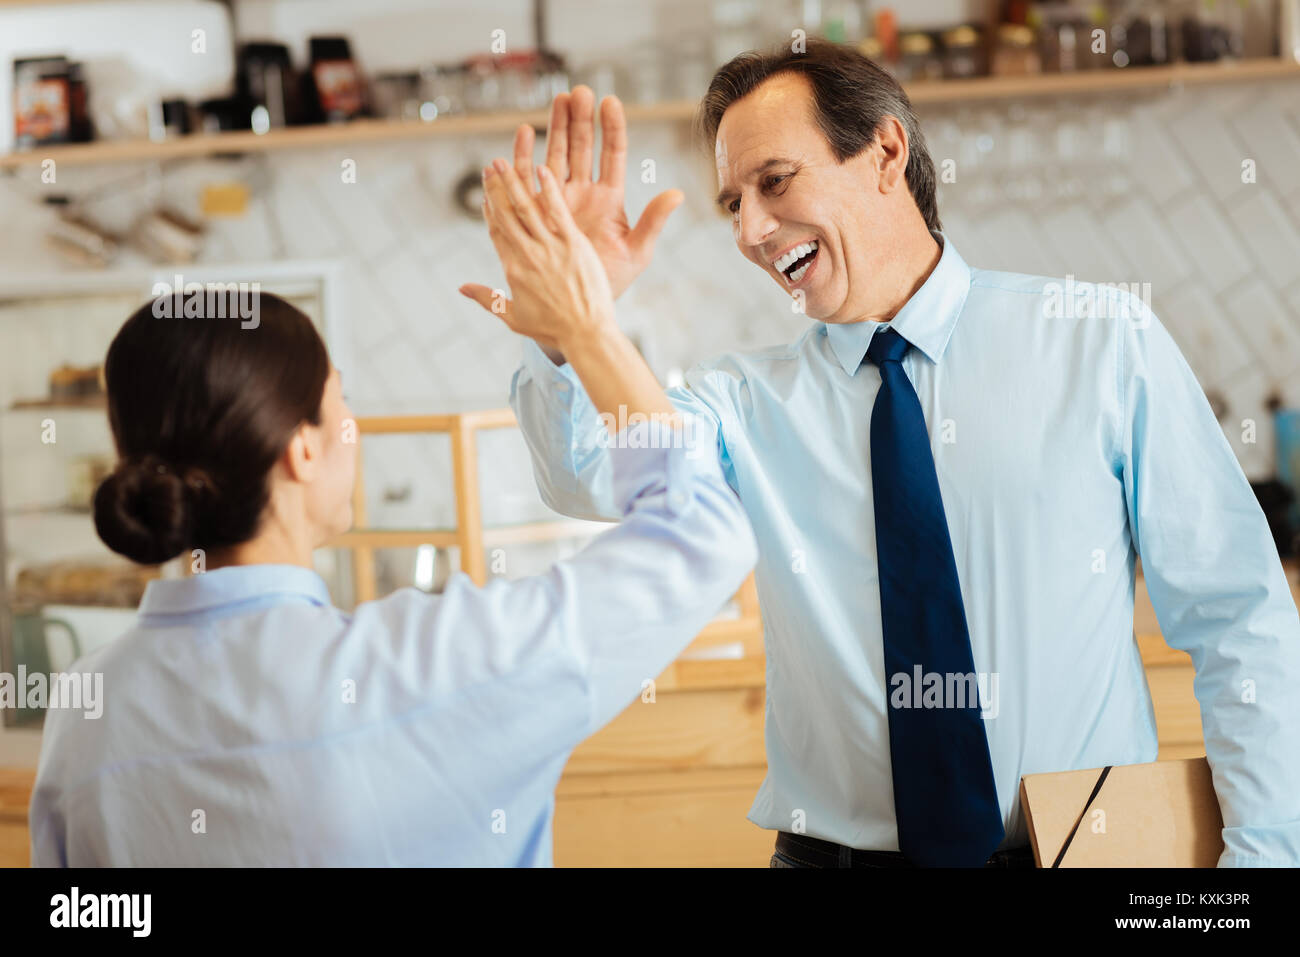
{"x": 541, "y": 368}
{"x": 1228, "y": 859}
{"x": 652, "y": 459}
{"x": 1275, "y": 846}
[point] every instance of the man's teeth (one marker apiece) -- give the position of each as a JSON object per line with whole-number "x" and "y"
{"x": 795, "y": 254}
{"x": 795, "y": 276}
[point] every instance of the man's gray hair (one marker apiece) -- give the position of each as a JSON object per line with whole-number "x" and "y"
{"x": 851, "y": 95}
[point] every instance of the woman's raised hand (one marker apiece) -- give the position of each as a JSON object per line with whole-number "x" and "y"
{"x": 559, "y": 292}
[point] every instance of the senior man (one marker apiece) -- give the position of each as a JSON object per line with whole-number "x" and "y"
{"x": 951, "y": 475}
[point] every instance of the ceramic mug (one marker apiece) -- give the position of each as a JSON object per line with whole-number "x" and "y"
{"x": 32, "y": 648}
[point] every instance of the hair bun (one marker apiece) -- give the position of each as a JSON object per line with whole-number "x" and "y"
{"x": 145, "y": 509}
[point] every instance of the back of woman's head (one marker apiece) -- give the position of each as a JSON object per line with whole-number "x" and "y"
{"x": 201, "y": 409}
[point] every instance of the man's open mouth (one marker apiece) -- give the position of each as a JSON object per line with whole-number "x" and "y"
{"x": 794, "y": 264}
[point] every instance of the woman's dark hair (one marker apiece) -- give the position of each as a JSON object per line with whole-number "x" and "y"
{"x": 205, "y": 389}
{"x": 851, "y": 96}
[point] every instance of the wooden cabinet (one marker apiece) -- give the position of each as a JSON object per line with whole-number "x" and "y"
{"x": 670, "y": 782}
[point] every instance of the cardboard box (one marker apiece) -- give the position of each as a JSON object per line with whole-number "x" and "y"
{"x": 1163, "y": 814}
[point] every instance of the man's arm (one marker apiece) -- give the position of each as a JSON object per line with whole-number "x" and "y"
{"x": 568, "y": 441}
{"x": 1219, "y": 592}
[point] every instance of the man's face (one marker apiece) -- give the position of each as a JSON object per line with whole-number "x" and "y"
{"x": 786, "y": 193}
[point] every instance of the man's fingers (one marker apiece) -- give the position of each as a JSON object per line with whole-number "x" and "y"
{"x": 652, "y": 221}
{"x": 524, "y": 139}
{"x": 582, "y": 133}
{"x": 613, "y": 142}
{"x": 557, "y": 137}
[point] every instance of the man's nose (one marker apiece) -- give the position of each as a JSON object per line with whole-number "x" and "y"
{"x": 754, "y": 225}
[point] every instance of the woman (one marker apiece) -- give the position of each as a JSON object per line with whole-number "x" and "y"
{"x": 246, "y": 721}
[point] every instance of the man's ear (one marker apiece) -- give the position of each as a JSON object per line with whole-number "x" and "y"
{"x": 892, "y": 154}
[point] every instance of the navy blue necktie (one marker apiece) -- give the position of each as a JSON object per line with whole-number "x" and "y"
{"x": 945, "y": 799}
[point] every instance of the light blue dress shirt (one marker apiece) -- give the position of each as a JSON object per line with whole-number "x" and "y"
{"x": 1068, "y": 441}
{"x": 246, "y": 721}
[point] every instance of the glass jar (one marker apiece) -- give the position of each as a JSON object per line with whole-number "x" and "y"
{"x": 396, "y": 96}
{"x": 442, "y": 91}
{"x": 962, "y": 56}
{"x": 842, "y": 21}
{"x": 1064, "y": 41}
{"x": 1147, "y": 38}
{"x": 482, "y": 85}
{"x": 1016, "y": 53}
{"x": 645, "y": 76}
{"x": 920, "y": 60}
{"x": 1094, "y": 45}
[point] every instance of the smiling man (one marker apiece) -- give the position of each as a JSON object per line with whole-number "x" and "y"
{"x": 951, "y": 482}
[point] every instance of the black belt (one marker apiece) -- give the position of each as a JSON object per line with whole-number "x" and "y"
{"x": 814, "y": 852}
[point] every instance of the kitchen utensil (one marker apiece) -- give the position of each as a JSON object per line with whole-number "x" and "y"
{"x": 266, "y": 79}
{"x": 31, "y": 642}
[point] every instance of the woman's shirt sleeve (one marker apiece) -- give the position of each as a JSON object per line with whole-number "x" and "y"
{"x": 605, "y": 621}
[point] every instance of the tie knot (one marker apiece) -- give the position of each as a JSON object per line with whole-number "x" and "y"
{"x": 887, "y": 346}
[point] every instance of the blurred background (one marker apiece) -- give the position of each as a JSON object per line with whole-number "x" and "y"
{"x": 330, "y": 151}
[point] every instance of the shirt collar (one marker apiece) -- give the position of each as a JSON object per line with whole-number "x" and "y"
{"x": 230, "y": 585}
{"x": 926, "y": 320}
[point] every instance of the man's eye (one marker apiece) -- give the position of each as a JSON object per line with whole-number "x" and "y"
{"x": 774, "y": 181}
{"x": 734, "y": 206}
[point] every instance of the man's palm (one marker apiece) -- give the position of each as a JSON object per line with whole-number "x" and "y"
{"x": 597, "y": 205}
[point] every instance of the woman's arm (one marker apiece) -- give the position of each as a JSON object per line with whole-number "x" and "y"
{"x": 560, "y": 654}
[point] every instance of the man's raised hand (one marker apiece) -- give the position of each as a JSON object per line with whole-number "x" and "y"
{"x": 597, "y": 205}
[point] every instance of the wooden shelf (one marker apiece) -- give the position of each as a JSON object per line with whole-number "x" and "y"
{"x": 1102, "y": 81}
{"x": 49, "y": 405}
{"x": 356, "y": 133}
{"x": 523, "y": 533}
{"x": 547, "y": 531}
{"x": 362, "y": 132}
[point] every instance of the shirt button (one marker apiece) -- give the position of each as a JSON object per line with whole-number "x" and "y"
{"x": 678, "y": 500}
